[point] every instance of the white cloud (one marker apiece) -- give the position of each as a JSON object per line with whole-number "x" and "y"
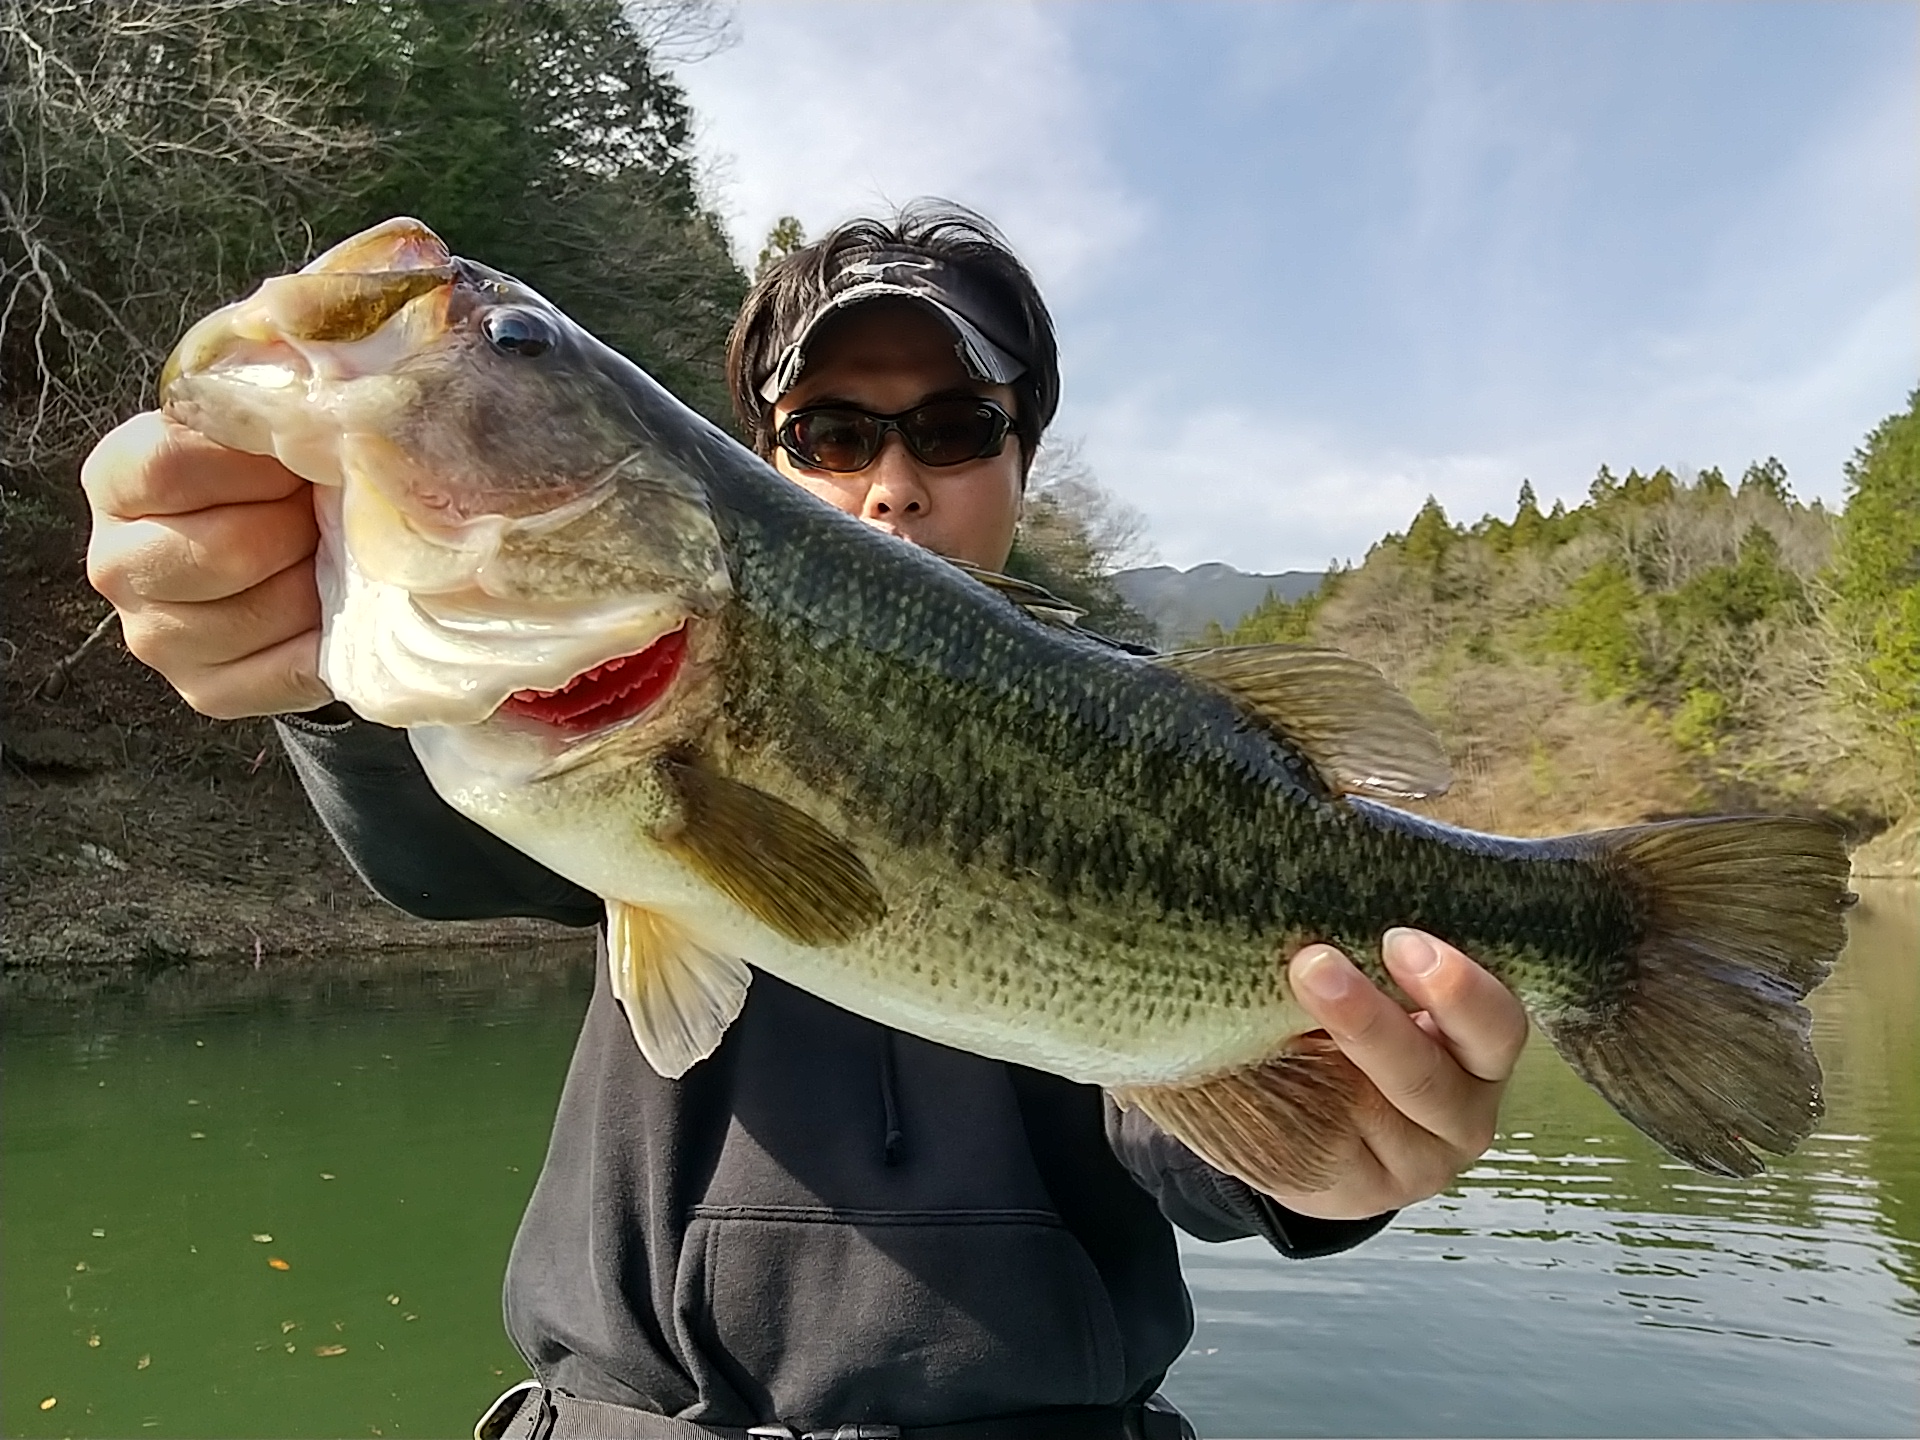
{"x": 1525, "y": 355}
{"x": 1801, "y": 332}
{"x": 1267, "y": 492}
{"x": 827, "y": 111}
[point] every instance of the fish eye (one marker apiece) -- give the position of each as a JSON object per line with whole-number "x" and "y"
{"x": 518, "y": 332}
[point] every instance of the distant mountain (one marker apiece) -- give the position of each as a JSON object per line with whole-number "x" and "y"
{"x": 1181, "y": 602}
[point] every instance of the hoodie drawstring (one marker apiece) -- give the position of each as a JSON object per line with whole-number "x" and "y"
{"x": 892, "y": 1141}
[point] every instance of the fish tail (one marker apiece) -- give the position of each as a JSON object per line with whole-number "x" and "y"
{"x": 1692, "y": 1027}
{"x": 1698, "y": 1036}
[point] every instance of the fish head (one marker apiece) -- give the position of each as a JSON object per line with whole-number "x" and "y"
{"x": 503, "y": 541}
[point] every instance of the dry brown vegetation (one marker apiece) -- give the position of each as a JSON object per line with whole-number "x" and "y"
{"x": 1667, "y": 648}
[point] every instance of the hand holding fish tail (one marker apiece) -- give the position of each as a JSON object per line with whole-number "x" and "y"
{"x": 207, "y": 553}
{"x": 1437, "y": 1076}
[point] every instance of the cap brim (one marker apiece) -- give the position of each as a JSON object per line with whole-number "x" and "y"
{"x": 983, "y": 360}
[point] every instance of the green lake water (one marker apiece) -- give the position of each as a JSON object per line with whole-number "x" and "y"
{"x": 261, "y": 1203}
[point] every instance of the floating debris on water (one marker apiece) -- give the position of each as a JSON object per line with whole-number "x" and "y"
{"x": 277, "y": 1263}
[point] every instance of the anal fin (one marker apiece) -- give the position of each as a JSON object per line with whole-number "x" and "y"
{"x": 679, "y": 996}
{"x": 1281, "y": 1125}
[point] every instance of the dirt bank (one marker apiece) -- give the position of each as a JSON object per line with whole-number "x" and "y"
{"x": 141, "y": 834}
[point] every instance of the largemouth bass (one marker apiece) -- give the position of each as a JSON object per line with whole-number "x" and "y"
{"x": 765, "y": 732}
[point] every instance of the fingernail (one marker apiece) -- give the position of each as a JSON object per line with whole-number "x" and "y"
{"x": 1326, "y": 973}
{"x": 1410, "y": 952}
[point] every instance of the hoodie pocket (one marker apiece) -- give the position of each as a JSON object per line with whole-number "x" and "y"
{"x": 824, "y": 1316}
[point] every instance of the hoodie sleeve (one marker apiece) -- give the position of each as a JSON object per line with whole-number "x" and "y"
{"x": 1211, "y": 1205}
{"x": 408, "y": 844}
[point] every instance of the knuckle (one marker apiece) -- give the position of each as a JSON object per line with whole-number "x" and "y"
{"x": 146, "y": 642}
{"x": 199, "y": 696}
{"x": 107, "y": 575}
{"x": 220, "y": 707}
{"x": 134, "y": 467}
{"x": 1423, "y": 1085}
{"x": 1430, "y": 1170}
{"x": 1477, "y": 1138}
{"x": 117, "y": 452}
{"x": 300, "y": 688}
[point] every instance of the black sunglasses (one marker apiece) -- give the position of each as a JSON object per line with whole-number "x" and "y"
{"x": 843, "y": 439}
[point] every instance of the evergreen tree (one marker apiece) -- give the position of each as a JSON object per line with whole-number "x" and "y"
{"x": 1877, "y": 562}
{"x": 1430, "y": 536}
{"x": 1767, "y": 477}
{"x": 1529, "y": 526}
{"x": 783, "y": 238}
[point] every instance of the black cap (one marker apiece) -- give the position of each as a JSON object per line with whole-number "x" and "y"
{"x": 988, "y": 332}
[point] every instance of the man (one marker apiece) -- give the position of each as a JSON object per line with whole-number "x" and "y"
{"x": 825, "y": 1223}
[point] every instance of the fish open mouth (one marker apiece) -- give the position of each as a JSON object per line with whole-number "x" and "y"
{"x": 611, "y": 692}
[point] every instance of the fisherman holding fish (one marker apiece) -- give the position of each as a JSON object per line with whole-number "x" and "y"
{"x": 761, "y": 1208}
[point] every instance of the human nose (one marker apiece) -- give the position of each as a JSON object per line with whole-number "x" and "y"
{"x": 895, "y": 488}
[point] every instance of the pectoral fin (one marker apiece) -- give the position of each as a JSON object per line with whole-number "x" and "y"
{"x": 793, "y": 873}
{"x": 679, "y": 996}
{"x": 1363, "y": 736}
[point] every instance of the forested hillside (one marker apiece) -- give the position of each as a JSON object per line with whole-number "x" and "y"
{"x": 161, "y": 157}
{"x": 164, "y": 155}
{"x": 1669, "y": 645}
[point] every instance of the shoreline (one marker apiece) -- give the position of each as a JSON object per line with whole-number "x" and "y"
{"x": 142, "y": 837}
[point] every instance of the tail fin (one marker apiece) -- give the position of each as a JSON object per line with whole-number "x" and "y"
{"x": 1708, "y": 1049}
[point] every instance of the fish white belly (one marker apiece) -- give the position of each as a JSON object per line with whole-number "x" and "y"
{"x": 987, "y": 966}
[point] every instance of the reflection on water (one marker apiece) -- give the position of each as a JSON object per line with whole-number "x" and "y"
{"x": 280, "y": 1206}
{"x": 376, "y": 1134}
{"x": 1577, "y": 1282}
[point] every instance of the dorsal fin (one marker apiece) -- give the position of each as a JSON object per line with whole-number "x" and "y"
{"x": 1038, "y": 601}
{"x": 1363, "y": 736}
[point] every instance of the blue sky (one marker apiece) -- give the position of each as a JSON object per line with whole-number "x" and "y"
{"x": 1311, "y": 263}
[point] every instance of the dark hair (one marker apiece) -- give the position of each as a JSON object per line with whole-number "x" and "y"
{"x": 795, "y": 287}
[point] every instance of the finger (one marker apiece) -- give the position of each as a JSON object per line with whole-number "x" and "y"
{"x": 1480, "y": 1020}
{"x": 151, "y": 466}
{"x": 282, "y": 679}
{"x": 182, "y": 640}
{"x": 1414, "y": 1073}
{"x": 206, "y": 554}
{"x": 1416, "y": 1163}
{"x": 1387, "y": 1162}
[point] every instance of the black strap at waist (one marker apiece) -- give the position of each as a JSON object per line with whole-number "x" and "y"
{"x": 529, "y": 1412}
